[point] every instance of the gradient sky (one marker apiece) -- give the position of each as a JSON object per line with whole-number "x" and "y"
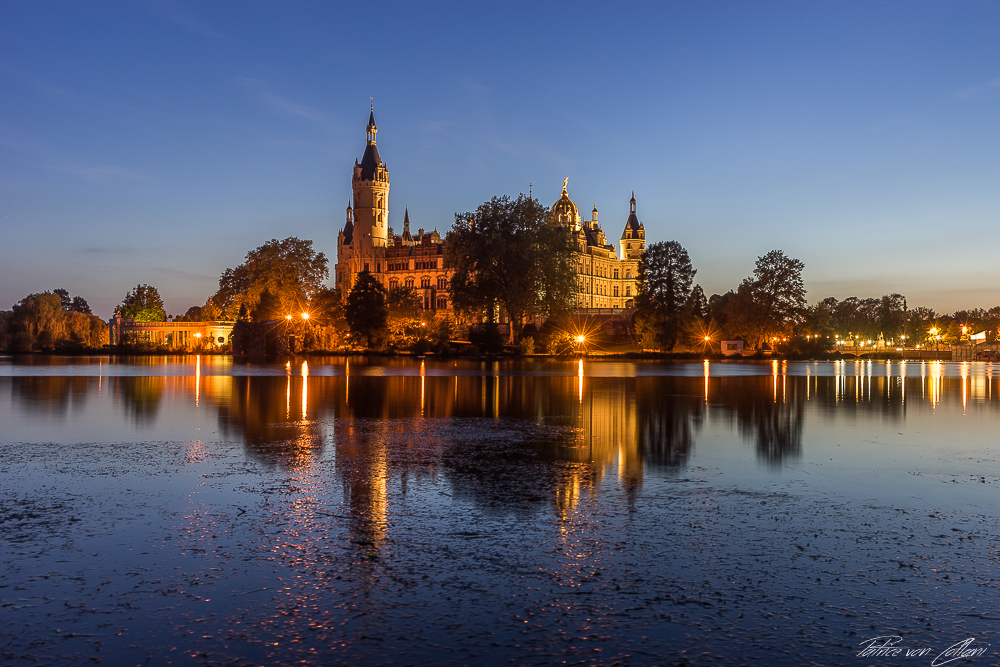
{"x": 158, "y": 142}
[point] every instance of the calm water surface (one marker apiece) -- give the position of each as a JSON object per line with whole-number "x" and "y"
{"x": 404, "y": 511}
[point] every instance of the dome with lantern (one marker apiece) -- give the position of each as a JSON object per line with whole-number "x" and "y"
{"x": 564, "y": 211}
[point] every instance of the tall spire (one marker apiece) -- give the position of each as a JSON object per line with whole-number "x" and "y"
{"x": 372, "y": 128}
{"x": 631, "y": 203}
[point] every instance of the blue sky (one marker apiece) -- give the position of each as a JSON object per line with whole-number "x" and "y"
{"x": 158, "y": 142}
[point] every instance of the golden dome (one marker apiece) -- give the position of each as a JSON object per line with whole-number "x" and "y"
{"x": 564, "y": 211}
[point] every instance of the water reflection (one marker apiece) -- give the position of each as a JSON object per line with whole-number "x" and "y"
{"x": 613, "y": 426}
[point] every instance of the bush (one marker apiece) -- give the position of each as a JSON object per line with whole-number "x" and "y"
{"x": 487, "y": 337}
{"x": 526, "y": 346}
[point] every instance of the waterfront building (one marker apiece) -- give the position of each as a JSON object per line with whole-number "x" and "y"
{"x": 607, "y": 277}
{"x": 181, "y": 336}
{"x": 367, "y": 243}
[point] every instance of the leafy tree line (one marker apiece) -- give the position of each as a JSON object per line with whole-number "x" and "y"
{"x": 769, "y": 308}
{"x": 51, "y": 322}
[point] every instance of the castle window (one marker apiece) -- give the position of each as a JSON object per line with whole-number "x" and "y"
{"x": 366, "y": 266}
{"x": 442, "y": 283}
{"x": 425, "y": 282}
{"x": 628, "y": 290}
{"x": 616, "y": 274}
{"x": 393, "y": 284}
{"x": 616, "y": 290}
{"x": 442, "y": 304}
{"x": 409, "y": 283}
{"x": 628, "y": 274}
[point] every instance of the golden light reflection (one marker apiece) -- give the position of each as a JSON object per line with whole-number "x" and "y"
{"x": 305, "y": 390}
{"x": 423, "y": 374}
{"x": 774, "y": 379}
{"x": 706, "y": 381}
{"x": 964, "y": 372}
{"x": 197, "y": 380}
{"x": 579, "y": 376}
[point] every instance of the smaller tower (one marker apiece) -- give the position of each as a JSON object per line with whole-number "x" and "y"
{"x": 407, "y": 238}
{"x": 633, "y": 240}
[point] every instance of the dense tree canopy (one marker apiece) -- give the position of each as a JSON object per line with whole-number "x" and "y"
{"x": 143, "y": 304}
{"x": 366, "y": 311}
{"x": 508, "y": 254}
{"x": 404, "y": 312}
{"x": 285, "y": 274}
{"x": 664, "y": 308}
{"x": 769, "y": 303}
{"x": 76, "y": 304}
{"x": 39, "y": 322}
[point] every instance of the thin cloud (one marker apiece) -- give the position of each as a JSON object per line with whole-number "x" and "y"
{"x": 98, "y": 173}
{"x": 975, "y": 91}
{"x": 177, "y": 273}
{"x": 260, "y": 90}
{"x": 107, "y": 250}
{"x": 181, "y": 16}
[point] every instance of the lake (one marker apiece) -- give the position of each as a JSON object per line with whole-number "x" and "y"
{"x": 190, "y": 510}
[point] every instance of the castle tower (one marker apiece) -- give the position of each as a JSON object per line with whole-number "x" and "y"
{"x": 371, "y": 199}
{"x": 633, "y": 241}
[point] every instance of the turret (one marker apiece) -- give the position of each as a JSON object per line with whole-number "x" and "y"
{"x": 633, "y": 240}
{"x": 371, "y": 195}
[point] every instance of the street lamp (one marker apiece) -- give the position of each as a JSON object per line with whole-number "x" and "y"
{"x": 305, "y": 316}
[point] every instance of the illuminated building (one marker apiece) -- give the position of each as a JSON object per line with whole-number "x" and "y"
{"x": 172, "y": 335}
{"x": 604, "y": 278}
{"x": 607, "y": 278}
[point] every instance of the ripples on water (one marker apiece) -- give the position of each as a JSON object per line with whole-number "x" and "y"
{"x": 453, "y": 512}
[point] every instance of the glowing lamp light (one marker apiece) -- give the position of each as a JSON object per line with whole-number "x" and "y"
{"x": 197, "y": 335}
{"x": 305, "y": 316}
{"x": 707, "y": 339}
{"x": 288, "y": 317}
{"x": 580, "y": 339}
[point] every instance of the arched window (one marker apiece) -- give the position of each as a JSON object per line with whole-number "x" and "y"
{"x": 628, "y": 274}
{"x": 442, "y": 303}
{"x": 616, "y": 274}
{"x": 442, "y": 283}
{"x": 409, "y": 283}
{"x": 425, "y": 282}
{"x": 393, "y": 284}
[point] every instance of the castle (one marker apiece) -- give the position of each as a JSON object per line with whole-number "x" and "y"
{"x": 607, "y": 279}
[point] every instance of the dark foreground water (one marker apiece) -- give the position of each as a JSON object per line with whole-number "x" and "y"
{"x": 192, "y": 511}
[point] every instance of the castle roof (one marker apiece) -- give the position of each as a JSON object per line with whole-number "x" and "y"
{"x": 564, "y": 211}
{"x": 632, "y": 224}
{"x": 370, "y": 162}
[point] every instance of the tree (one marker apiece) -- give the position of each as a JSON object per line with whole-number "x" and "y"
{"x": 665, "y": 277}
{"x": 80, "y": 305}
{"x": 366, "y": 312}
{"x": 508, "y": 254}
{"x": 404, "y": 309}
{"x": 290, "y": 271}
{"x": 697, "y": 304}
{"x": 77, "y": 304}
{"x": 64, "y": 298}
{"x": 143, "y": 304}
{"x": 38, "y": 321}
{"x": 769, "y": 302}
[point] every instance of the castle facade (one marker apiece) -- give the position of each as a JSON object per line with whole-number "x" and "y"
{"x": 607, "y": 278}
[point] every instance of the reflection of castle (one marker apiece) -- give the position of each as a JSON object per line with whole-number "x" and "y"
{"x": 606, "y": 278}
